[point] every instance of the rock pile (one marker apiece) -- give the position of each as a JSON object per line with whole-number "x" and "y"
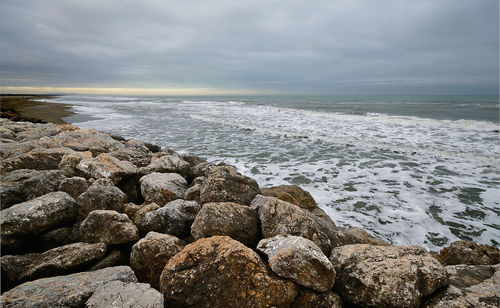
{"x": 91, "y": 219}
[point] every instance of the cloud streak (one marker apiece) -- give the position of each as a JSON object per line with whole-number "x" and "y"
{"x": 321, "y": 47}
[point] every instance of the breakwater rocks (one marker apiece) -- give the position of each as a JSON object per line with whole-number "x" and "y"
{"x": 90, "y": 219}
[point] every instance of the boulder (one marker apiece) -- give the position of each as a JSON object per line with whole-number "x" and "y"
{"x": 167, "y": 164}
{"x": 110, "y": 227}
{"x": 86, "y": 139}
{"x": 114, "y": 258}
{"x": 100, "y": 196}
{"x": 471, "y": 286}
{"x": 135, "y": 152}
{"x": 202, "y": 169}
{"x": 64, "y": 291}
{"x": 386, "y": 276}
{"x": 125, "y": 295}
{"x": 469, "y": 252}
{"x": 64, "y": 260}
{"x": 310, "y": 298}
{"x": 162, "y": 188}
{"x": 280, "y": 217}
{"x": 60, "y": 236}
{"x": 353, "y": 235}
{"x": 69, "y": 162}
{"x": 219, "y": 271}
{"x": 13, "y": 266}
{"x": 74, "y": 186}
{"x": 300, "y": 260}
{"x": 175, "y": 218}
{"x": 193, "y": 192}
{"x": 150, "y": 254}
{"x": 240, "y": 222}
{"x": 142, "y": 211}
{"x": 38, "y": 215}
{"x": 105, "y": 166}
{"x": 22, "y": 185}
{"x": 225, "y": 184}
{"x": 130, "y": 209}
{"x": 192, "y": 159}
{"x": 37, "y": 159}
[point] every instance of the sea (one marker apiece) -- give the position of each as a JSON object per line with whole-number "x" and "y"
{"x": 420, "y": 170}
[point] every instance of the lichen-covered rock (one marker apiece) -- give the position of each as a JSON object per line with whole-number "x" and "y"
{"x": 225, "y": 184}
{"x": 135, "y": 152}
{"x": 130, "y": 209}
{"x": 105, "y": 166}
{"x": 219, "y": 271}
{"x": 110, "y": 227}
{"x": 300, "y": 260}
{"x": 13, "y": 266}
{"x": 142, "y": 211}
{"x": 193, "y": 192}
{"x": 22, "y": 185}
{"x": 69, "y": 162}
{"x": 74, "y": 186}
{"x": 125, "y": 295}
{"x": 175, "y": 218}
{"x": 100, "y": 196}
{"x": 470, "y": 286}
{"x": 86, "y": 139}
{"x": 353, "y": 235}
{"x": 469, "y": 252}
{"x": 37, "y": 159}
{"x": 386, "y": 276}
{"x": 280, "y": 217}
{"x": 64, "y": 291}
{"x": 167, "y": 164}
{"x": 310, "y": 298}
{"x": 240, "y": 222}
{"x": 193, "y": 160}
{"x": 162, "y": 188}
{"x": 150, "y": 254}
{"x": 38, "y": 215}
{"x": 64, "y": 260}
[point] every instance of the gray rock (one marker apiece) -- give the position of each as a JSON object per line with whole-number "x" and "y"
{"x": 150, "y": 254}
{"x": 86, "y": 139}
{"x": 162, "y": 188}
{"x": 69, "y": 162}
{"x": 142, "y": 211}
{"x": 386, "y": 276}
{"x": 300, "y": 260}
{"x": 193, "y": 192}
{"x": 37, "y": 159}
{"x": 192, "y": 159}
{"x": 118, "y": 294}
{"x": 225, "y": 184}
{"x": 135, "y": 152}
{"x": 464, "y": 276}
{"x": 64, "y": 291}
{"x": 106, "y": 166}
{"x": 353, "y": 235}
{"x": 100, "y": 196}
{"x": 60, "y": 236}
{"x": 110, "y": 227}
{"x": 22, "y": 185}
{"x": 64, "y": 260}
{"x": 38, "y": 215}
{"x": 175, "y": 218}
{"x": 13, "y": 266}
{"x": 167, "y": 164}
{"x": 202, "y": 169}
{"x": 310, "y": 298}
{"x": 281, "y": 217}
{"x": 74, "y": 186}
{"x": 240, "y": 222}
{"x": 221, "y": 272}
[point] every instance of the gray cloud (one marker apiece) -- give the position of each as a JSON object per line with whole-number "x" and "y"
{"x": 316, "y": 47}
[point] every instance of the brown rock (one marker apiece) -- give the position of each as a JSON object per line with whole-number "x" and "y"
{"x": 69, "y": 162}
{"x": 353, "y": 235}
{"x": 106, "y": 166}
{"x": 310, "y": 298}
{"x": 114, "y": 258}
{"x": 13, "y": 266}
{"x": 162, "y": 188}
{"x": 38, "y": 159}
{"x": 219, "y": 271}
{"x": 386, "y": 276}
{"x": 468, "y": 252}
{"x": 150, "y": 254}
{"x": 142, "y": 211}
{"x": 130, "y": 209}
{"x": 167, "y": 164}
{"x": 100, "y": 196}
{"x": 239, "y": 222}
{"x": 110, "y": 227}
{"x": 74, "y": 186}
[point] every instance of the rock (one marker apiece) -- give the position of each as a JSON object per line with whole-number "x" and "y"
{"x": 175, "y": 218}
{"x": 106, "y": 166}
{"x": 167, "y": 164}
{"x": 468, "y": 252}
{"x": 476, "y": 292}
{"x": 22, "y": 185}
{"x": 100, "y": 196}
{"x": 219, "y": 271}
{"x": 64, "y": 260}
{"x": 69, "y": 162}
{"x": 150, "y": 254}
{"x": 74, "y": 186}
{"x": 225, "y": 184}
{"x": 13, "y": 266}
{"x": 300, "y": 260}
{"x": 464, "y": 276}
{"x": 135, "y": 152}
{"x": 162, "y": 188}
{"x": 110, "y": 227}
{"x": 193, "y": 192}
{"x": 386, "y": 276}
{"x": 130, "y": 209}
{"x": 192, "y": 159}
{"x": 60, "y": 236}
{"x": 310, "y": 298}
{"x": 86, "y": 139}
{"x": 353, "y": 235}
{"x": 280, "y": 217}
{"x": 38, "y": 159}
{"x": 114, "y": 258}
{"x": 139, "y": 215}
{"x": 64, "y": 291}
{"x": 240, "y": 222}
{"x": 38, "y": 215}
{"x": 202, "y": 169}
{"x": 125, "y": 294}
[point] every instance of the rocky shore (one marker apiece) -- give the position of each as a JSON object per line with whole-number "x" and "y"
{"x": 90, "y": 219}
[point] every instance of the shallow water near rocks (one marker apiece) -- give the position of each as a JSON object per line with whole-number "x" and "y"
{"x": 411, "y": 170}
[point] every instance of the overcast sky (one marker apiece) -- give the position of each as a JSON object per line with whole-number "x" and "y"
{"x": 295, "y": 47}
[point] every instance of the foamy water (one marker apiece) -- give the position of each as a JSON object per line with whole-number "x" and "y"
{"x": 407, "y": 178}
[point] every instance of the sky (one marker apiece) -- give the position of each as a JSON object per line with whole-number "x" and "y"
{"x": 351, "y": 47}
